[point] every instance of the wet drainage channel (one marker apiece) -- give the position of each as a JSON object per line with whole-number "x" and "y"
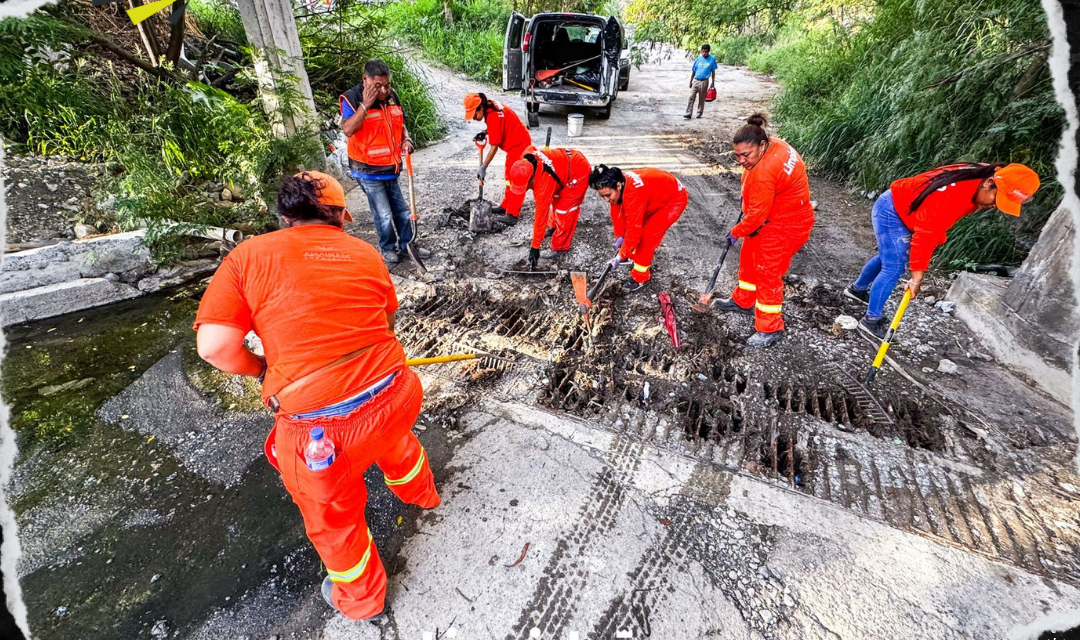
{"x": 703, "y": 404}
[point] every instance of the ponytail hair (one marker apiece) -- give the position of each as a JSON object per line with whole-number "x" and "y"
{"x": 298, "y": 200}
{"x": 485, "y": 104}
{"x": 603, "y": 176}
{"x": 753, "y": 131}
{"x": 954, "y": 173}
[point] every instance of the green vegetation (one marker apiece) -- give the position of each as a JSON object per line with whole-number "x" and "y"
{"x": 473, "y": 44}
{"x": 171, "y": 139}
{"x": 878, "y": 90}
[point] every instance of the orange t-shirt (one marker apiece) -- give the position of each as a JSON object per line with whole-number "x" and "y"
{"x": 938, "y": 212}
{"x": 506, "y": 132}
{"x": 775, "y": 190}
{"x": 312, "y": 293}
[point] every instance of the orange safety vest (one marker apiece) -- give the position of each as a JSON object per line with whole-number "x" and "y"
{"x": 378, "y": 141}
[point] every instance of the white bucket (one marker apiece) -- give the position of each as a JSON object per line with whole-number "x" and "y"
{"x": 575, "y": 122}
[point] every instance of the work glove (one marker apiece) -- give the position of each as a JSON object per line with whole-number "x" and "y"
{"x": 731, "y": 240}
{"x": 534, "y": 257}
{"x": 616, "y": 262}
{"x": 482, "y": 172}
{"x": 480, "y": 137}
{"x": 618, "y": 243}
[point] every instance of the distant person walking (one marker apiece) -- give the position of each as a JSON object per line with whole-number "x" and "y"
{"x": 373, "y": 120}
{"x": 702, "y": 78}
{"x": 913, "y": 217}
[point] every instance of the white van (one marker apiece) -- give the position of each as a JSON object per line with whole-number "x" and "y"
{"x": 570, "y": 59}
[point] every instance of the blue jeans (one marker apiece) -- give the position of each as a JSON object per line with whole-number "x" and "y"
{"x": 390, "y": 212}
{"x": 884, "y": 270}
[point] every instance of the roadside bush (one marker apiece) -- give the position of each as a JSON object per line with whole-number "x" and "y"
{"x": 172, "y": 146}
{"x": 472, "y": 45}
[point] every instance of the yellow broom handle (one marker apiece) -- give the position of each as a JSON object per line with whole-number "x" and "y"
{"x": 892, "y": 328}
{"x": 416, "y": 362}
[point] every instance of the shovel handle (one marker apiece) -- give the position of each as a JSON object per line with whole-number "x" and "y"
{"x": 412, "y": 189}
{"x": 880, "y": 357}
{"x": 547, "y": 141}
{"x": 600, "y": 283}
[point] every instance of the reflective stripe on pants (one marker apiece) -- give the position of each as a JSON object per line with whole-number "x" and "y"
{"x": 332, "y": 501}
{"x": 763, "y": 261}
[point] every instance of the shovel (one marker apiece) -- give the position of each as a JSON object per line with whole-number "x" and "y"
{"x": 477, "y": 210}
{"x": 414, "y": 254}
{"x": 706, "y": 296}
{"x": 585, "y": 298}
{"x": 551, "y": 73}
{"x": 888, "y": 339}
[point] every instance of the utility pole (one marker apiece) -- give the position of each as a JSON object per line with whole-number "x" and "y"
{"x": 279, "y": 63}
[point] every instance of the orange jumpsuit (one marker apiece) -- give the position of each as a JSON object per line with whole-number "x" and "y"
{"x": 505, "y": 131}
{"x": 560, "y": 182}
{"x": 777, "y": 218}
{"x": 652, "y": 200}
{"x": 314, "y": 294}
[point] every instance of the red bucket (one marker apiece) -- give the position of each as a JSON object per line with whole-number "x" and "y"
{"x": 710, "y": 95}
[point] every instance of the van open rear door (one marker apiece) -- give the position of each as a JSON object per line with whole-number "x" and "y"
{"x": 513, "y": 71}
{"x": 612, "y": 50}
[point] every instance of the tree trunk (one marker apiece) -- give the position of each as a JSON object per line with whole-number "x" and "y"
{"x": 279, "y": 63}
{"x": 147, "y": 35}
{"x": 448, "y": 14}
{"x": 176, "y": 36}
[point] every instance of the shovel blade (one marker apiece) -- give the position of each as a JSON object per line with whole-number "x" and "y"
{"x": 577, "y": 278}
{"x": 414, "y": 255}
{"x": 703, "y": 303}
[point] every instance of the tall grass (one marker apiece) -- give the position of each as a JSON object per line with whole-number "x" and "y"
{"x": 473, "y": 45}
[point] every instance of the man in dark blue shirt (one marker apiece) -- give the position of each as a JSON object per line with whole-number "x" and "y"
{"x": 702, "y": 78}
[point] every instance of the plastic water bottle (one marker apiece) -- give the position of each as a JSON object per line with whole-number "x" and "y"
{"x": 319, "y": 453}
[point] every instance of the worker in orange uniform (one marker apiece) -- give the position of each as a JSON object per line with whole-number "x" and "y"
{"x": 776, "y": 220}
{"x": 913, "y": 217}
{"x": 504, "y": 131}
{"x": 324, "y": 306}
{"x": 559, "y": 179}
{"x": 644, "y": 204}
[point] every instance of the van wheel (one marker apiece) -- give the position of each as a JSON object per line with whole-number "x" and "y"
{"x": 605, "y": 113}
{"x": 534, "y": 118}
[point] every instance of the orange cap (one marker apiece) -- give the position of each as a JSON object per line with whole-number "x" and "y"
{"x": 472, "y": 103}
{"x": 1015, "y": 184}
{"x": 328, "y": 190}
{"x": 519, "y": 175}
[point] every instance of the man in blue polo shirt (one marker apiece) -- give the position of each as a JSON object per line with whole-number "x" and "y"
{"x": 702, "y": 78}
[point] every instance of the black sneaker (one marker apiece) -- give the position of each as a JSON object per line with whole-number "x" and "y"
{"x": 686, "y": 117}
{"x": 727, "y": 305}
{"x": 506, "y": 220}
{"x": 875, "y": 328}
{"x": 857, "y": 295}
{"x": 763, "y": 340}
{"x": 631, "y": 286}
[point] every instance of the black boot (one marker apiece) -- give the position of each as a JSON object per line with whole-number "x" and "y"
{"x": 727, "y": 305}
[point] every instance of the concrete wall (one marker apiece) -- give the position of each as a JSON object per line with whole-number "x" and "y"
{"x": 1030, "y": 322}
